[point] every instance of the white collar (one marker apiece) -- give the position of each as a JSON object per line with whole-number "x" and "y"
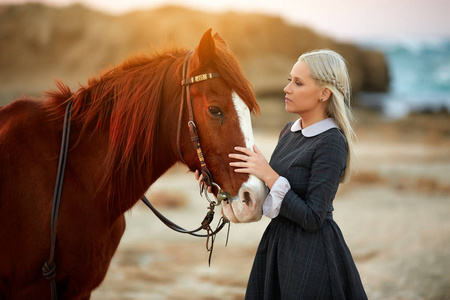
{"x": 314, "y": 129}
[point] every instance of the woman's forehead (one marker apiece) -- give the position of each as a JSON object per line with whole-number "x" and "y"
{"x": 301, "y": 71}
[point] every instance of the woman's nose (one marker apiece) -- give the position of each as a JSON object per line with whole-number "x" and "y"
{"x": 286, "y": 89}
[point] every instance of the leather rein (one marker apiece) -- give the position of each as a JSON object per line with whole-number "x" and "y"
{"x": 49, "y": 268}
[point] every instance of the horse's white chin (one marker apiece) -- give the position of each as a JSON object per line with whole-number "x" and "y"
{"x": 247, "y": 206}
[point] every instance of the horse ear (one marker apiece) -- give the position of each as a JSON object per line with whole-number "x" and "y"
{"x": 220, "y": 41}
{"x": 206, "y": 48}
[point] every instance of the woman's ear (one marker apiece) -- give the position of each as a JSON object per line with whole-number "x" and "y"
{"x": 325, "y": 95}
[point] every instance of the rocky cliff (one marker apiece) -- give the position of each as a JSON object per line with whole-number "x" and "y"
{"x": 39, "y": 44}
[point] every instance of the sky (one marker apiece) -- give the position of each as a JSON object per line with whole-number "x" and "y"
{"x": 347, "y": 20}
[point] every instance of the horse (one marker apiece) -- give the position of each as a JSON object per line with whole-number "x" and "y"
{"x": 123, "y": 137}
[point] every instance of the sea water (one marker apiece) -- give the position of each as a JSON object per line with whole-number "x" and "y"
{"x": 419, "y": 71}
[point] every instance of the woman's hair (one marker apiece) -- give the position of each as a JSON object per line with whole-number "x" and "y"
{"x": 329, "y": 70}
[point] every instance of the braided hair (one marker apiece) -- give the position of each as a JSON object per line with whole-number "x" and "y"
{"x": 329, "y": 70}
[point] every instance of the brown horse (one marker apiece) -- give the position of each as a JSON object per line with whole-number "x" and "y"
{"x": 122, "y": 138}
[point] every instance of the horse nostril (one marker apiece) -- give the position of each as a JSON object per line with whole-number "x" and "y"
{"x": 247, "y": 198}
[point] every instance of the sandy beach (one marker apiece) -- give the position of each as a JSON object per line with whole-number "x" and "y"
{"x": 394, "y": 214}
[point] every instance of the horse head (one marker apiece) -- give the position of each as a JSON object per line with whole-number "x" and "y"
{"x": 221, "y": 108}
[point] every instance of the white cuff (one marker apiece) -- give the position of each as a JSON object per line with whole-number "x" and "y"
{"x": 272, "y": 204}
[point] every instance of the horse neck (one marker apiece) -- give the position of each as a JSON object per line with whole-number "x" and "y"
{"x": 128, "y": 157}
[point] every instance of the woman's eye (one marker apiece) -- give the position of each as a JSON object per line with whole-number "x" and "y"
{"x": 215, "y": 111}
{"x": 296, "y": 82}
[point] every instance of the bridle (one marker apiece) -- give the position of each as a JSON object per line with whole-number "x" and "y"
{"x": 49, "y": 268}
{"x": 207, "y": 180}
{"x": 185, "y": 94}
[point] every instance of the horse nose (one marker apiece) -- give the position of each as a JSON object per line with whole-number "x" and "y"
{"x": 247, "y": 198}
{"x": 252, "y": 192}
{"x": 245, "y": 195}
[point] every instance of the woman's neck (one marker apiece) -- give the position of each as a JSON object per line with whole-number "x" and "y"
{"x": 308, "y": 120}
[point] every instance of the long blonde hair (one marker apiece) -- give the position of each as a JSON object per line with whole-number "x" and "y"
{"x": 329, "y": 70}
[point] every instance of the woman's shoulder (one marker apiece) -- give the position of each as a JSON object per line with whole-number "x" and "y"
{"x": 331, "y": 148}
{"x": 332, "y": 137}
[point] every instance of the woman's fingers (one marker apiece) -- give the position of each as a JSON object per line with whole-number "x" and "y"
{"x": 244, "y": 150}
{"x": 238, "y": 164}
{"x": 256, "y": 149}
{"x": 253, "y": 162}
{"x": 242, "y": 157}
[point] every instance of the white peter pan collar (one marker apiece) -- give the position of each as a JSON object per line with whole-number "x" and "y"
{"x": 314, "y": 129}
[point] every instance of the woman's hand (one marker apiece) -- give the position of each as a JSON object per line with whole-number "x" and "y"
{"x": 254, "y": 163}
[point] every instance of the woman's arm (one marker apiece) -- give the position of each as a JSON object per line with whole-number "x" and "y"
{"x": 327, "y": 168}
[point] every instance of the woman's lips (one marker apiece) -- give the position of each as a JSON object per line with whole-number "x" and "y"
{"x": 286, "y": 99}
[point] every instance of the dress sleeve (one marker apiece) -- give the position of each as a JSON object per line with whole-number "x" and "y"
{"x": 272, "y": 204}
{"x": 274, "y": 198}
{"x": 327, "y": 167}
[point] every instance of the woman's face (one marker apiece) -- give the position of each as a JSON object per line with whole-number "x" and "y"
{"x": 302, "y": 92}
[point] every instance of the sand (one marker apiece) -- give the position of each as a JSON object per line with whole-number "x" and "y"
{"x": 395, "y": 217}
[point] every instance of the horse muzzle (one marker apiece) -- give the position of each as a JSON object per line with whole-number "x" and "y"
{"x": 246, "y": 207}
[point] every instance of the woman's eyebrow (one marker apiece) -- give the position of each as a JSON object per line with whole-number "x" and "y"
{"x": 296, "y": 78}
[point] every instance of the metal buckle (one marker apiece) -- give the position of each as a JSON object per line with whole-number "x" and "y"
{"x": 221, "y": 195}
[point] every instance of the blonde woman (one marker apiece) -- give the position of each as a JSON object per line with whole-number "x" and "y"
{"x": 302, "y": 254}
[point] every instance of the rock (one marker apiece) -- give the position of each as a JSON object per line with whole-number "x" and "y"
{"x": 42, "y": 43}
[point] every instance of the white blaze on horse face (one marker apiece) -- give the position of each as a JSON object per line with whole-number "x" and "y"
{"x": 247, "y": 207}
{"x": 245, "y": 120}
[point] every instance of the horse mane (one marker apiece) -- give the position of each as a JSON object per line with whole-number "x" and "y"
{"x": 126, "y": 101}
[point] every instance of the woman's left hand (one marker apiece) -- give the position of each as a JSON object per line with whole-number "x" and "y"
{"x": 254, "y": 163}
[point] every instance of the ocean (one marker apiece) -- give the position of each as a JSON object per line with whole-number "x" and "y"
{"x": 420, "y": 77}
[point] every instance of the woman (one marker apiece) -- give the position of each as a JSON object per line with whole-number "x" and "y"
{"x": 302, "y": 254}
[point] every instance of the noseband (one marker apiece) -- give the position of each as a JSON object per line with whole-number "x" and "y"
{"x": 49, "y": 268}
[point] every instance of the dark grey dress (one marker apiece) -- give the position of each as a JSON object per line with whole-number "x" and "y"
{"x": 302, "y": 254}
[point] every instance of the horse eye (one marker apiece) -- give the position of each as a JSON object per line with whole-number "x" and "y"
{"x": 215, "y": 111}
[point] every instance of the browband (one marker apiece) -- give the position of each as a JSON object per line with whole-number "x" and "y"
{"x": 199, "y": 78}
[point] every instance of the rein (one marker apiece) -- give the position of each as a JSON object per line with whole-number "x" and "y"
{"x": 49, "y": 268}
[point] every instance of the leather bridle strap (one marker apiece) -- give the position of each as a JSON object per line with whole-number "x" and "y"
{"x": 205, "y": 223}
{"x": 49, "y": 268}
{"x": 185, "y": 94}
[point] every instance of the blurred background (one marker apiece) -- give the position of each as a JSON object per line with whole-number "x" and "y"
{"x": 395, "y": 213}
